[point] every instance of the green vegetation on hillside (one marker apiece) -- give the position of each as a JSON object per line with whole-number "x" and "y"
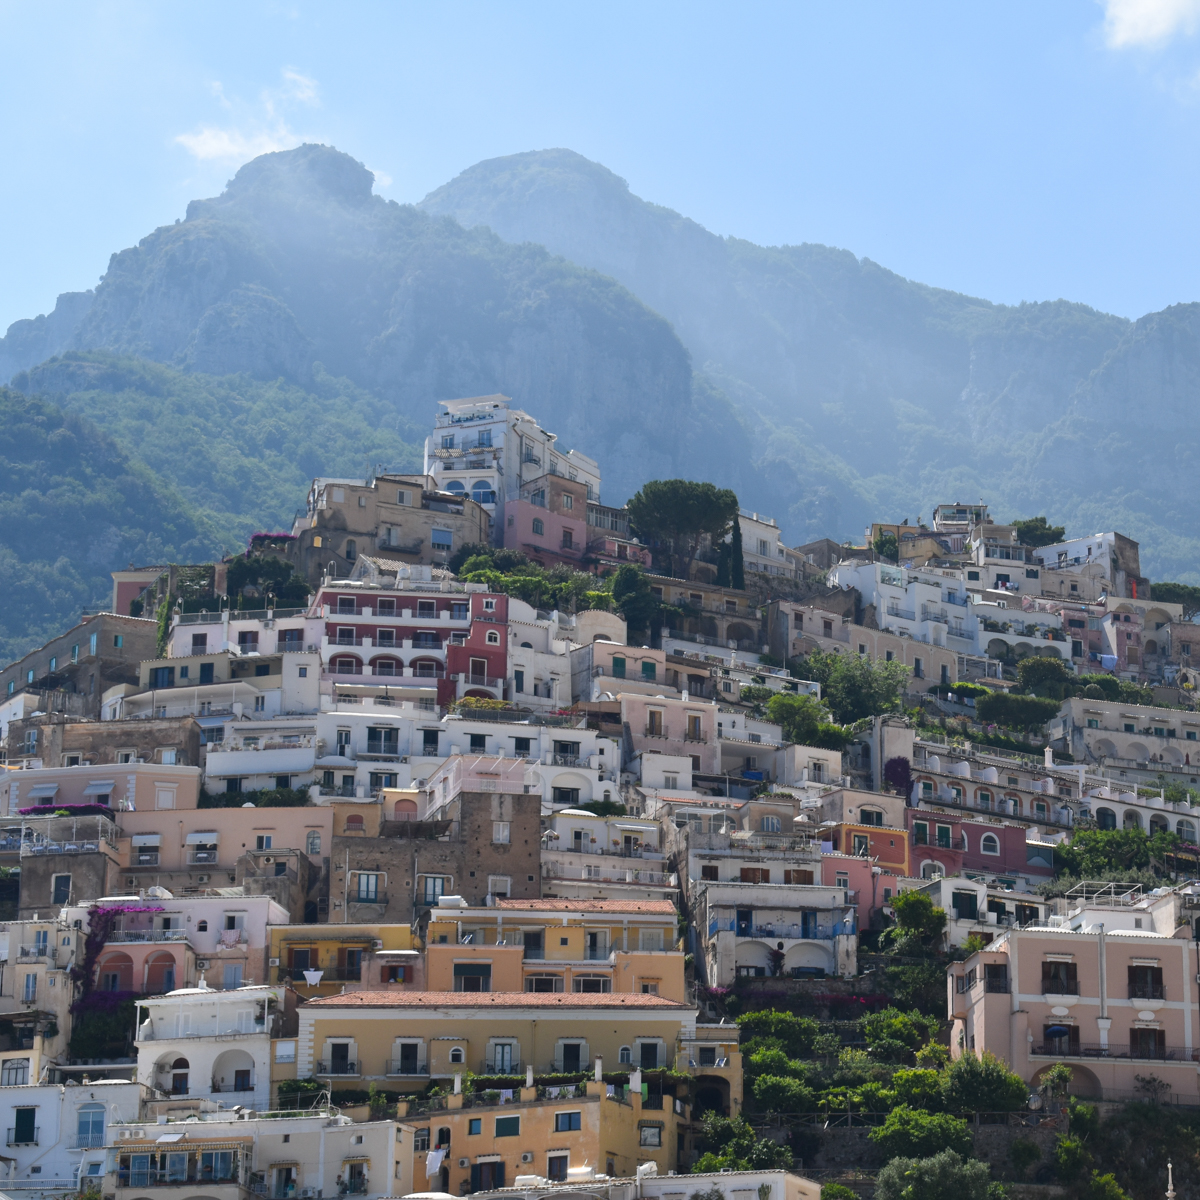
{"x": 74, "y": 506}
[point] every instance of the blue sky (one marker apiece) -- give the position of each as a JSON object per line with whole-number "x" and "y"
{"x": 1012, "y": 151}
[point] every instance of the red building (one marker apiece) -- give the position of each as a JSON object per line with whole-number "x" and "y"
{"x": 948, "y": 844}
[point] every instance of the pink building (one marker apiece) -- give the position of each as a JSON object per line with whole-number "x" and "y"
{"x": 950, "y": 843}
{"x": 548, "y": 522}
{"x": 673, "y": 726}
{"x": 1111, "y": 992}
{"x": 869, "y": 886}
{"x": 157, "y": 945}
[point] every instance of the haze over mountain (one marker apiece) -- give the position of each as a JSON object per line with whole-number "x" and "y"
{"x": 298, "y": 324}
{"x": 882, "y": 395}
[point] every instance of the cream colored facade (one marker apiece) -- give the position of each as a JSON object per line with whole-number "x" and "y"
{"x": 407, "y": 1038}
{"x": 557, "y": 946}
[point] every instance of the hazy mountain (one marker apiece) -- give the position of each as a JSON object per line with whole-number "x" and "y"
{"x": 876, "y": 395}
{"x": 298, "y": 272}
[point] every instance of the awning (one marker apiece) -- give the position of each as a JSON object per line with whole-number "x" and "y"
{"x": 42, "y": 791}
{"x": 206, "y": 837}
{"x": 101, "y": 787}
{"x": 170, "y": 1137}
{"x": 147, "y": 839}
{"x": 210, "y": 722}
{"x": 397, "y": 954}
{"x": 637, "y": 828}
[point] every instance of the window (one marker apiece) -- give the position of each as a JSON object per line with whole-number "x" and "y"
{"x": 368, "y": 888}
{"x": 567, "y": 1122}
{"x": 499, "y": 886}
{"x": 918, "y": 669}
{"x": 493, "y": 638}
{"x": 556, "y": 1167}
{"x": 312, "y": 842}
{"x": 568, "y": 501}
{"x": 989, "y": 844}
{"x": 709, "y": 872}
{"x": 650, "y": 1135}
{"x": 421, "y": 1141}
{"x": 508, "y": 1127}
{"x": 564, "y": 795}
{"x": 262, "y": 841}
{"x": 62, "y": 890}
{"x": 231, "y": 976}
{"x": 285, "y": 1052}
{"x": 89, "y": 1128}
{"x": 162, "y": 677}
{"x": 30, "y": 993}
{"x": 973, "y": 575}
{"x": 871, "y": 816}
{"x": 118, "y": 641}
{"x": 15, "y": 1072}
{"x": 475, "y": 1124}
{"x": 501, "y": 833}
{"x": 441, "y": 539}
{"x": 770, "y": 824}
{"x": 649, "y": 671}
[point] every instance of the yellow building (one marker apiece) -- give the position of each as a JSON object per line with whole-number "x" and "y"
{"x": 406, "y": 1040}
{"x": 556, "y": 946}
{"x": 319, "y": 960}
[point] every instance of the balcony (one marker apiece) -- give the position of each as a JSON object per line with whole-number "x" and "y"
{"x": 199, "y": 858}
{"x": 1061, "y": 1049}
{"x": 127, "y": 1178}
{"x": 23, "y": 1137}
{"x": 148, "y": 935}
{"x": 218, "y": 1088}
{"x": 1060, "y": 987}
{"x": 569, "y": 760}
{"x": 596, "y": 953}
{"x": 503, "y": 1066}
{"x": 328, "y": 974}
{"x": 87, "y": 1141}
{"x": 793, "y": 931}
{"x": 39, "y": 950}
{"x": 1148, "y": 991}
{"x": 656, "y": 732}
{"x": 407, "y": 1068}
{"x": 336, "y": 1068}
{"x": 905, "y": 614}
{"x": 292, "y": 646}
{"x": 145, "y": 858}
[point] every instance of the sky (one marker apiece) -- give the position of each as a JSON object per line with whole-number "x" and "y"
{"x": 1014, "y": 151}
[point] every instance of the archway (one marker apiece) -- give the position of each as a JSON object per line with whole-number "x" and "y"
{"x": 1084, "y": 1083}
{"x": 160, "y": 973}
{"x": 1106, "y": 818}
{"x": 233, "y": 1072}
{"x": 1106, "y": 748}
{"x": 1131, "y": 819}
{"x": 345, "y": 664}
{"x": 712, "y": 1095}
{"x": 427, "y": 668}
{"x": 1138, "y": 752}
{"x": 115, "y": 972}
{"x": 386, "y": 666}
{"x": 1159, "y": 824}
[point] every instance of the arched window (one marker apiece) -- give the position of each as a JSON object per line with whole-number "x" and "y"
{"x": 90, "y": 1129}
{"x": 526, "y": 645}
{"x": 443, "y": 1136}
{"x": 354, "y": 823}
{"x": 456, "y": 1055}
{"x": 625, "y": 1055}
{"x": 201, "y": 926}
{"x": 539, "y": 526}
{"x": 1106, "y": 818}
{"x": 493, "y": 638}
{"x": 351, "y": 550}
{"x": 312, "y": 843}
{"x": 989, "y": 844}
{"x": 985, "y": 800}
{"x": 456, "y": 486}
{"x": 179, "y": 1077}
{"x": 770, "y": 824}
{"x": 481, "y": 492}
{"x": 1186, "y": 830}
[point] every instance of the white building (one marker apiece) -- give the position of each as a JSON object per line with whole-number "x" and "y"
{"x": 202, "y": 1042}
{"x": 229, "y": 1155}
{"x": 55, "y": 1133}
{"x": 483, "y": 448}
{"x": 587, "y": 857}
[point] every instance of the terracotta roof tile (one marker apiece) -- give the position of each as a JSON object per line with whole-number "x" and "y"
{"x": 631, "y": 1000}
{"x": 664, "y": 907}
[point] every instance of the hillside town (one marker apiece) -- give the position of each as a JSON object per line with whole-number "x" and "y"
{"x": 474, "y": 834}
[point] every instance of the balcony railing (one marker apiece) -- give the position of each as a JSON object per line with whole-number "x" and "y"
{"x": 37, "y": 950}
{"x": 168, "y": 1178}
{"x": 200, "y": 857}
{"x": 87, "y": 1141}
{"x": 570, "y": 760}
{"x": 24, "y": 1137}
{"x": 503, "y": 1067}
{"x": 328, "y": 974}
{"x": 401, "y": 1068}
{"x": 231, "y": 1087}
{"x": 145, "y": 858}
{"x": 904, "y": 614}
{"x": 817, "y": 932}
{"x": 148, "y": 935}
{"x": 596, "y": 953}
{"x": 1060, "y": 987}
{"x": 1148, "y": 991}
{"x": 337, "y": 1068}
{"x": 1064, "y": 1049}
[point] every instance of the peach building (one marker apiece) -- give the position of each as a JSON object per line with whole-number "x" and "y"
{"x": 1110, "y": 989}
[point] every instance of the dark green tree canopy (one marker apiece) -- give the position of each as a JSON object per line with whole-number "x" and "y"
{"x": 1037, "y": 531}
{"x": 676, "y": 514}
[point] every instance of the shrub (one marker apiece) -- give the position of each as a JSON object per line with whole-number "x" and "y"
{"x": 1023, "y": 1153}
{"x": 892, "y": 1026}
{"x": 838, "y": 1191}
{"x": 943, "y": 1176}
{"x": 795, "y": 1034}
{"x": 920, "y": 1088}
{"x": 983, "y": 1085}
{"x": 782, "y": 1094}
{"x": 911, "y": 1133}
{"x": 1015, "y": 712}
{"x": 1072, "y": 1161}
{"x": 772, "y": 1061}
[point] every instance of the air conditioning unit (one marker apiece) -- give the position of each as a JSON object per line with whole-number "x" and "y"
{"x": 308, "y": 1192}
{"x": 464, "y": 1162}
{"x": 377, "y": 944}
{"x": 272, "y": 962}
{"x": 202, "y": 964}
{"x": 267, "y": 858}
{"x": 201, "y": 878}
{"x": 527, "y": 1157}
